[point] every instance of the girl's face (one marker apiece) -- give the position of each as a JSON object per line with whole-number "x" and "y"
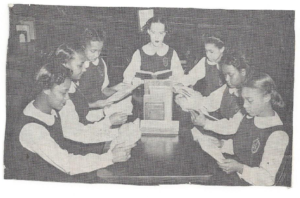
{"x": 213, "y": 53}
{"x": 76, "y": 65}
{"x": 157, "y": 34}
{"x": 58, "y": 94}
{"x": 254, "y": 101}
{"x": 93, "y": 50}
{"x": 234, "y": 77}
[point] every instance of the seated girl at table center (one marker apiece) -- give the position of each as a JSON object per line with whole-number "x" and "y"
{"x": 224, "y": 102}
{"x": 74, "y": 59}
{"x": 260, "y": 142}
{"x": 206, "y": 75}
{"x": 40, "y": 151}
{"x": 76, "y": 117}
{"x": 154, "y": 56}
{"x": 94, "y": 82}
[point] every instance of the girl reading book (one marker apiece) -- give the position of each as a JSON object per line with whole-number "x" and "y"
{"x": 224, "y": 102}
{"x": 74, "y": 59}
{"x": 206, "y": 75}
{"x": 155, "y": 56}
{"x": 39, "y": 150}
{"x": 258, "y": 148}
{"x": 94, "y": 82}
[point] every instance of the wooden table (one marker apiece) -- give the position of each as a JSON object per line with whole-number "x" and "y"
{"x": 163, "y": 160}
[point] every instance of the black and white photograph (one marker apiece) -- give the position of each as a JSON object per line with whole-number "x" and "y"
{"x": 149, "y": 95}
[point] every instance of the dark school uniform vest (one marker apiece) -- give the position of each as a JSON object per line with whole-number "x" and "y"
{"x": 81, "y": 105}
{"x": 151, "y": 63}
{"x": 24, "y": 164}
{"x": 91, "y": 82}
{"x": 230, "y": 105}
{"x": 212, "y": 81}
{"x": 155, "y": 62}
{"x": 249, "y": 142}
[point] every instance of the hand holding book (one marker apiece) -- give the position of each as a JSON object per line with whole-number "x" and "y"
{"x": 209, "y": 144}
{"x": 121, "y": 86}
{"x": 129, "y": 134}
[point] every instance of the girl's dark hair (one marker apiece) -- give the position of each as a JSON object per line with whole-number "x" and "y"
{"x": 91, "y": 34}
{"x": 238, "y": 61}
{"x": 266, "y": 84}
{"x": 54, "y": 71}
{"x": 156, "y": 19}
{"x": 51, "y": 74}
{"x": 214, "y": 40}
{"x": 65, "y": 53}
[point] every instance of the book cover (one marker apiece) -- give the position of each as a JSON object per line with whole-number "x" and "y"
{"x": 157, "y": 75}
{"x": 154, "y": 111}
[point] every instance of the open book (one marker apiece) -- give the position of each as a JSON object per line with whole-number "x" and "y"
{"x": 150, "y": 75}
{"x": 119, "y": 95}
{"x": 129, "y": 134}
{"x": 190, "y": 100}
{"x": 207, "y": 144}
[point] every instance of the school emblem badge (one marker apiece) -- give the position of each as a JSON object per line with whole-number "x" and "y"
{"x": 255, "y": 145}
{"x": 165, "y": 61}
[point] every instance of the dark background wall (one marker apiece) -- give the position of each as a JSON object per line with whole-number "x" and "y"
{"x": 265, "y": 37}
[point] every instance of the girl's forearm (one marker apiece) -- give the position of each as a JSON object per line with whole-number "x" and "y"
{"x": 109, "y": 91}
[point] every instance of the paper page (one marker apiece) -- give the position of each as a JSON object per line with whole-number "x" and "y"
{"x": 129, "y": 134}
{"x": 124, "y": 106}
{"x": 162, "y": 72}
{"x": 196, "y": 134}
{"x": 207, "y": 144}
{"x": 122, "y": 93}
{"x": 145, "y": 72}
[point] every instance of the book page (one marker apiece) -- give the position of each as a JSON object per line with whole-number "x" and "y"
{"x": 208, "y": 144}
{"x": 119, "y": 95}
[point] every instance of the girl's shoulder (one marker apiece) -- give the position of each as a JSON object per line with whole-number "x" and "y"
{"x": 201, "y": 62}
{"x": 33, "y": 129}
{"x": 203, "y": 59}
{"x": 268, "y": 122}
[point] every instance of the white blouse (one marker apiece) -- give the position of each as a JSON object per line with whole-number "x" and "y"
{"x": 36, "y": 138}
{"x": 197, "y": 73}
{"x": 273, "y": 152}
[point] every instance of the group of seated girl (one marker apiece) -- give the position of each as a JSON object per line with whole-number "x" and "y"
{"x": 252, "y": 132}
{"x": 242, "y": 100}
{"x": 64, "y": 128}
{"x": 60, "y": 134}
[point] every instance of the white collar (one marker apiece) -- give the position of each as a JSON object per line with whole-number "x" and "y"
{"x": 86, "y": 64}
{"x": 31, "y": 111}
{"x": 73, "y": 87}
{"x": 234, "y": 91}
{"x": 266, "y": 122}
{"x": 96, "y": 62}
{"x": 212, "y": 63}
{"x": 150, "y": 50}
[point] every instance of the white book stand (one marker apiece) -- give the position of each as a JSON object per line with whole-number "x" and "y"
{"x": 158, "y": 108}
